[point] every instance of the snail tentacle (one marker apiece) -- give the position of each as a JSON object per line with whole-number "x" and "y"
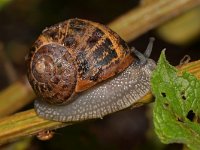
{"x": 141, "y": 57}
{"x": 149, "y": 48}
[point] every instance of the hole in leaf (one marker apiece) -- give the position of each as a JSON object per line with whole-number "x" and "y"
{"x": 163, "y": 94}
{"x": 180, "y": 119}
{"x": 191, "y": 115}
{"x": 183, "y": 95}
{"x": 166, "y": 105}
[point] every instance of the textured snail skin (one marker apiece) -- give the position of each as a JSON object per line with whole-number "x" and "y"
{"x": 107, "y": 97}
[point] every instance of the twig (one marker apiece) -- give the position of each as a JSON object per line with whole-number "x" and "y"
{"x": 144, "y": 18}
{"x": 15, "y": 97}
{"x": 22, "y": 124}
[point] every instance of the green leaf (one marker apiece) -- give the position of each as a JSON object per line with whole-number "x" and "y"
{"x": 176, "y": 110}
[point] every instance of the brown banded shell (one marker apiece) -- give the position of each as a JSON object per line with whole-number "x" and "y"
{"x": 73, "y": 56}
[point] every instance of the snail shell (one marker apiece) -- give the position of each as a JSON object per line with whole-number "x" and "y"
{"x": 68, "y": 60}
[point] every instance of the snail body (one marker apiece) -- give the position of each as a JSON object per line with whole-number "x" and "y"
{"x": 83, "y": 70}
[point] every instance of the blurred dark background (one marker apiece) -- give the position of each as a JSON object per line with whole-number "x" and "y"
{"x": 21, "y": 21}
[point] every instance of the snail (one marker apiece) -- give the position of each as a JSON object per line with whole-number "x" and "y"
{"x": 83, "y": 70}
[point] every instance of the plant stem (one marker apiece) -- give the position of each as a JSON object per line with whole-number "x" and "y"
{"x": 22, "y": 124}
{"x": 142, "y": 19}
{"x": 15, "y": 97}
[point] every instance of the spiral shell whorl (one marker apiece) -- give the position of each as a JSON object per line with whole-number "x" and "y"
{"x": 73, "y": 56}
{"x": 53, "y": 73}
